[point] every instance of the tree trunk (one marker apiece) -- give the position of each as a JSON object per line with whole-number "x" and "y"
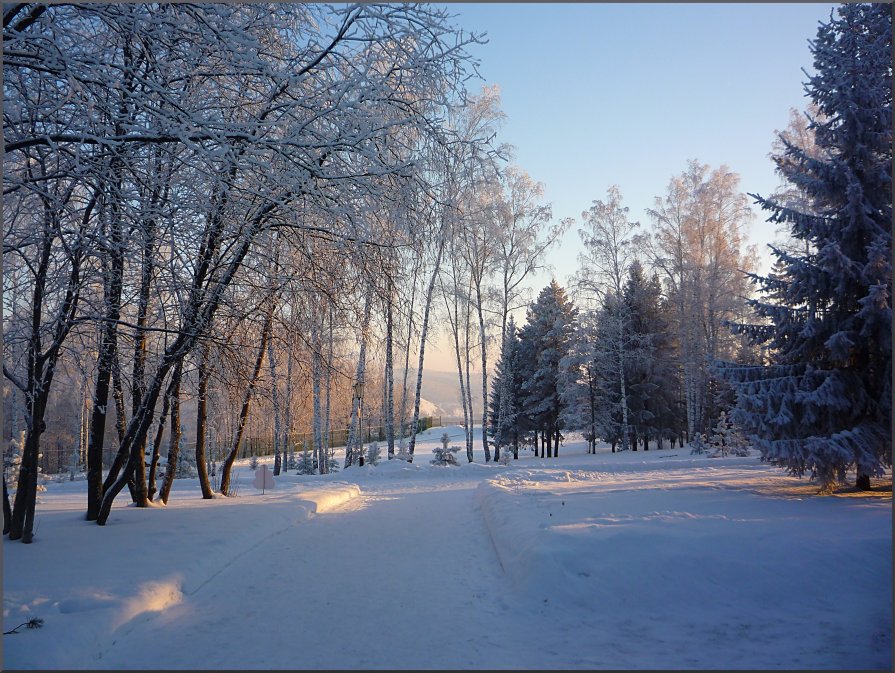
{"x": 287, "y": 417}
{"x": 478, "y": 291}
{"x": 275, "y": 398}
{"x": 108, "y": 345}
{"x": 174, "y": 438}
{"x": 454, "y": 319}
{"x": 389, "y": 377}
{"x": 328, "y": 379}
{"x": 862, "y": 482}
{"x": 354, "y": 446}
{"x": 315, "y": 376}
{"x": 121, "y": 457}
{"x": 246, "y": 404}
{"x": 157, "y": 443}
{"x": 624, "y": 392}
{"x": 423, "y": 335}
{"x": 469, "y": 434}
{"x": 403, "y": 411}
{"x": 201, "y": 422}
{"x": 138, "y": 383}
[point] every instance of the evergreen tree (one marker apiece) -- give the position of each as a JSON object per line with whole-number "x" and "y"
{"x": 546, "y": 338}
{"x": 186, "y": 461}
{"x": 306, "y": 463}
{"x": 824, "y": 405}
{"x": 504, "y": 406}
{"x": 650, "y": 370}
{"x": 580, "y": 382}
{"x": 374, "y": 453}
{"x": 727, "y": 438}
{"x": 611, "y": 348}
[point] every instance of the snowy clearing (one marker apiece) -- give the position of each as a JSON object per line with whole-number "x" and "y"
{"x": 635, "y": 560}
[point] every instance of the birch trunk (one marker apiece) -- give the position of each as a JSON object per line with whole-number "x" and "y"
{"x": 354, "y": 444}
{"x": 454, "y": 320}
{"x": 469, "y": 429}
{"x": 316, "y": 375}
{"x": 287, "y": 419}
{"x": 327, "y": 375}
{"x": 403, "y": 430}
{"x": 275, "y": 397}
{"x": 478, "y": 297}
{"x": 389, "y": 377}
{"x": 423, "y": 334}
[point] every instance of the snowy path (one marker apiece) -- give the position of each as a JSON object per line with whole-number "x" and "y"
{"x": 620, "y": 561}
{"x": 289, "y": 600}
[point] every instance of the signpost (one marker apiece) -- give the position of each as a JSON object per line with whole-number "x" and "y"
{"x": 263, "y": 479}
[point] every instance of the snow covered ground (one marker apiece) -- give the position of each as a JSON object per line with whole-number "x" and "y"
{"x": 639, "y": 560}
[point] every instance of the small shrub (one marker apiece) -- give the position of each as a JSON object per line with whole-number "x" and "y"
{"x": 698, "y": 446}
{"x": 306, "y": 463}
{"x": 374, "y": 453}
{"x": 445, "y": 456}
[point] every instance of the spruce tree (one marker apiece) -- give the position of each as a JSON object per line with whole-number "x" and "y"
{"x": 504, "y": 403}
{"x": 580, "y": 382}
{"x": 545, "y": 340}
{"x": 824, "y": 404}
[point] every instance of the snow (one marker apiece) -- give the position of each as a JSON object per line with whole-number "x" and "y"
{"x": 652, "y": 559}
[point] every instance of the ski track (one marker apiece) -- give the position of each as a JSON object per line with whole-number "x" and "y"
{"x": 280, "y": 588}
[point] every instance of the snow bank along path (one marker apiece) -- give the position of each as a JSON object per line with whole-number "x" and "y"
{"x": 619, "y": 561}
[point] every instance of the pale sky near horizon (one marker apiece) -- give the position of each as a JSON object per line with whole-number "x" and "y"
{"x": 600, "y": 94}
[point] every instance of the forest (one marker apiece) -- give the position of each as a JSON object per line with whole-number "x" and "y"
{"x": 235, "y": 222}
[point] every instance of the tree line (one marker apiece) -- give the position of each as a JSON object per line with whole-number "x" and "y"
{"x": 230, "y": 210}
{"x": 803, "y": 369}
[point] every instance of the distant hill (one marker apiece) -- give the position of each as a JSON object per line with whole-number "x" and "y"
{"x": 441, "y": 390}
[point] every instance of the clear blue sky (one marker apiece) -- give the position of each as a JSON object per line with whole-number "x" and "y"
{"x": 601, "y": 94}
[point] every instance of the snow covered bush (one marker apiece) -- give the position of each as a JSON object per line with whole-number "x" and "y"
{"x": 332, "y": 465}
{"x": 445, "y": 456}
{"x": 505, "y": 457}
{"x": 186, "y": 464}
{"x": 727, "y": 439}
{"x": 698, "y": 446}
{"x": 253, "y": 463}
{"x": 373, "y": 453}
{"x": 306, "y": 463}
{"x": 12, "y": 460}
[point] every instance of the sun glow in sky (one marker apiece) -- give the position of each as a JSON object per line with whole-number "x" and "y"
{"x": 602, "y": 94}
